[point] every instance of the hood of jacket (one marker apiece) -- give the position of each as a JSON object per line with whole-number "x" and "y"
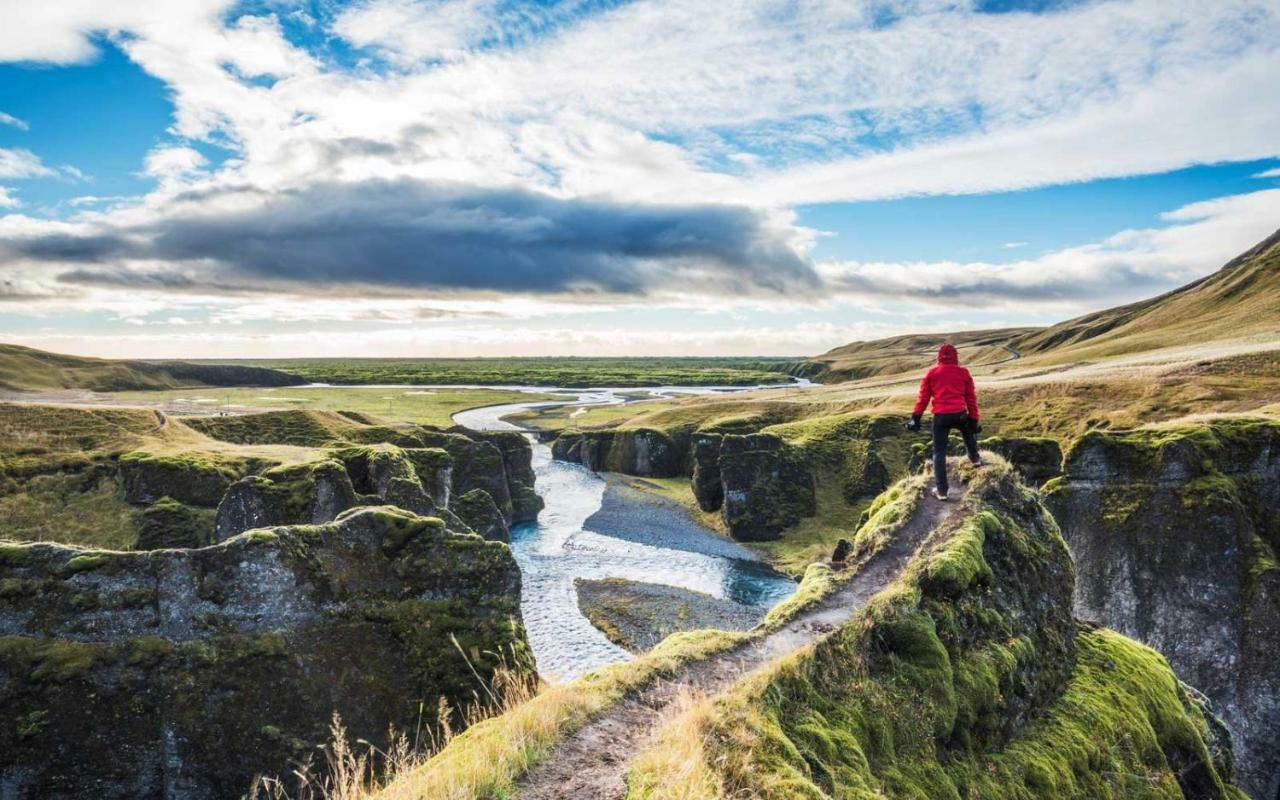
{"x": 947, "y": 354}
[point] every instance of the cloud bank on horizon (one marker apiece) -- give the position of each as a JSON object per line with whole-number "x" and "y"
{"x": 484, "y": 177}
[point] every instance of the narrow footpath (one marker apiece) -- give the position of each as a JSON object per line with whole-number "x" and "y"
{"x": 592, "y": 763}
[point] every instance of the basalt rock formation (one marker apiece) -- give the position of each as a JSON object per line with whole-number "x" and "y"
{"x": 457, "y": 477}
{"x": 642, "y": 452}
{"x": 183, "y": 673}
{"x": 296, "y": 494}
{"x": 1175, "y": 533}
{"x": 767, "y": 485}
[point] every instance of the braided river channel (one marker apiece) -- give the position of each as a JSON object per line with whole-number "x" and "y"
{"x": 561, "y": 547}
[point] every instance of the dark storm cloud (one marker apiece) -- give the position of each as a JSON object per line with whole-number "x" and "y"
{"x": 413, "y": 235}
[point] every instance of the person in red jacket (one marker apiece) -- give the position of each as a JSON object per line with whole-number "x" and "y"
{"x": 955, "y": 406}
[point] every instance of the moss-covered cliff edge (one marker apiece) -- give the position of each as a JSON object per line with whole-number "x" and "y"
{"x": 968, "y": 678}
{"x": 183, "y": 673}
{"x": 1175, "y": 532}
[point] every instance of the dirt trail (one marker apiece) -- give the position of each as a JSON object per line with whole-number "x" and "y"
{"x": 592, "y": 763}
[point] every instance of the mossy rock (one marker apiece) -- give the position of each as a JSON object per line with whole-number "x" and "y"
{"x": 168, "y": 523}
{"x": 1175, "y": 532}
{"x": 310, "y": 493}
{"x": 228, "y": 661}
{"x": 643, "y": 452}
{"x": 194, "y": 479}
{"x": 477, "y": 509}
{"x": 768, "y": 486}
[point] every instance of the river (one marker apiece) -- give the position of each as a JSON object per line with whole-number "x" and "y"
{"x": 557, "y": 549}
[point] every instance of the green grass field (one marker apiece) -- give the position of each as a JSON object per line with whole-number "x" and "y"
{"x": 575, "y": 372}
{"x": 423, "y": 406}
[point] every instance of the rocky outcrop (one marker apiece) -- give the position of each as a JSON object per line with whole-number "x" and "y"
{"x": 643, "y": 452}
{"x": 1175, "y": 533}
{"x": 187, "y": 478}
{"x": 375, "y": 468}
{"x": 517, "y": 461}
{"x": 767, "y": 486}
{"x": 311, "y": 493}
{"x": 478, "y": 511}
{"x": 1037, "y": 459}
{"x": 167, "y": 523}
{"x": 183, "y": 673}
{"x": 708, "y": 488}
{"x": 766, "y": 482}
{"x": 477, "y": 464}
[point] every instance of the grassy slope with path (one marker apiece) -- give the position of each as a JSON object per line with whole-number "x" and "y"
{"x": 714, "y": 715}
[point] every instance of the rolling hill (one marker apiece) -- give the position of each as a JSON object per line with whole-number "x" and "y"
{"x": 27, "y": 369}
{"x": 1241, "y": 299}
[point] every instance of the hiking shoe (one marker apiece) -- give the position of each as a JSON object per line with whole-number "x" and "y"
{"x": 940, "y": 495}
{"x": 977, "y": 462}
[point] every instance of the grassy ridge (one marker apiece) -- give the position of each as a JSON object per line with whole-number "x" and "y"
{"x": 26, "y": 369}
{"x": 572, "y": 372}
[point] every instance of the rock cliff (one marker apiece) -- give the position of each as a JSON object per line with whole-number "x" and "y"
{"x": 183, "y": 673}
{"x": 643, "y": 452}
{"x": 1175, "y": 533}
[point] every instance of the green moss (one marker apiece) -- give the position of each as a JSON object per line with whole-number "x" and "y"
{"x": 30, "y": 725}
{"x": 1211, "y": 490}
{"x": 84, "y": 563}
{"x": 147, "y": 651}
{"x": 85, "y": 508}
{"x": 48, "y": 660}
{"x": 168, "y": 523}
{"x": 12, "y": 555}
{"x": 1120, "y": 502}
{"x": 958, "y": 565}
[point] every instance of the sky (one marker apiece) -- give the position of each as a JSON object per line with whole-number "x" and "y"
{"x": 213, "y": 178}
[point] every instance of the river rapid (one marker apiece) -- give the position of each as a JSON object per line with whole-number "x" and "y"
{"x": 557, "y": 549}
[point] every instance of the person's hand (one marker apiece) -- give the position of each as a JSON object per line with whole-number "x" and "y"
{"x": 914, "y": 424}
{"x": 975, "y": 427}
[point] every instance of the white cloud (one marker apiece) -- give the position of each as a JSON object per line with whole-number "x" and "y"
{"x": 61, "y": 32}
{"x": 1270, "y": 173}
{"x": 7, "y": 200}
{"x": 173, "y": 162}
{"x": 12, "y": 121}
{"x": 1127, "y": 266}
{"x": 415, "y": 30}
{"x": 20, "y": 163}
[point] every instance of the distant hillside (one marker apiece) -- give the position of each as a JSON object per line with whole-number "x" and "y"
{"x": 28, "y": 369}
{"x": 906, "y": 353}
{"x": 1241, "y": 299}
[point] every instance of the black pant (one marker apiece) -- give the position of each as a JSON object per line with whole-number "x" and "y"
{"x": 942, "y": 425}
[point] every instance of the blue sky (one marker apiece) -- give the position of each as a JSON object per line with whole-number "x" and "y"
{"x": 481, "y": 177}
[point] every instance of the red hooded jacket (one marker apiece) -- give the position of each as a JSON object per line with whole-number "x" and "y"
{"x": 949, "y": 386}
